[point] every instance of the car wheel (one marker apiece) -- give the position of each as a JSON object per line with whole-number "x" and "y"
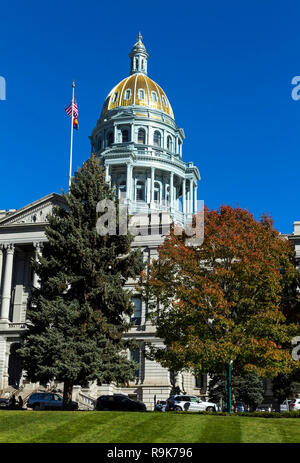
{"x": 177, "y": 409}
{"x": 36, "y": 408}
{"x": 210, "y": 409}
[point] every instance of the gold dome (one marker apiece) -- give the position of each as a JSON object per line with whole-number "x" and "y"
{"x": 138, "y": 90}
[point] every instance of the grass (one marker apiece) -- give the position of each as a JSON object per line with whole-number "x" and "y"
{"x": 134, "y": 427}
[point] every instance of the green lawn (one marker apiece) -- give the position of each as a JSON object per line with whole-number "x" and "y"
{"x": 132, "y": 427}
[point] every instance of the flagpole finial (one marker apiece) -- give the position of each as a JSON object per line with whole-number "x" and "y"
{"x": 73, "y": 84}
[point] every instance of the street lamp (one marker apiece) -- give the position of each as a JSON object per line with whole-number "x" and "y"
{"x": 228, "y": 404}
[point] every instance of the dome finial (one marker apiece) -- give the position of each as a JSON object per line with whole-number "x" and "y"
{"x": 138, "y": 57}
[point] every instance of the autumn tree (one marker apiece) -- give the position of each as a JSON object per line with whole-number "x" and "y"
{"x": 80, "y": 312}
{"x": 222, "y": 301}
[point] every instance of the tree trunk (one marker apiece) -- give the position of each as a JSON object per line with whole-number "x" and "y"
{"x": 68, "y": 389}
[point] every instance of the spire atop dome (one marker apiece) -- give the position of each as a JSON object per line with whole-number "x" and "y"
{"x": 138, "y": 57}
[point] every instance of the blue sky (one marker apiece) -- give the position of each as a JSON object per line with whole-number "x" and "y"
{"x": 225, "y": 66}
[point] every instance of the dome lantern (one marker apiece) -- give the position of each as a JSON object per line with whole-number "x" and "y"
{"x": 139, "y": 57}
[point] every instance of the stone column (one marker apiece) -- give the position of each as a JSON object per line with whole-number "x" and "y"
{"x": 115, "y": 134}
{"x": 148, "y": 187}
{"x": 1, "y": 263}
{"x": 6, "y": 291}
{"x": 184, "y": 196}
{"x": 152, "y": 184}
{"x": 129, "y": 182}
{"x": 171, "y": 189}
{"x": 195, "y": 197}
{"x": 191, "y": 197}
{"x": 132, "y": 133}
{"x": 38, "y": 251}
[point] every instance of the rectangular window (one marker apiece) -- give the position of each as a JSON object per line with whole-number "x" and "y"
{"x": 199, "y": 381}
{"x": 137, "y": 314}
{"x": 135, "y": 357}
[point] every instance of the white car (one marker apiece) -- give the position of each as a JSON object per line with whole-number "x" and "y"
{"x": 295, "y": 405}
{"x": 285, "y": 406}
{"x": 190, "y": 403}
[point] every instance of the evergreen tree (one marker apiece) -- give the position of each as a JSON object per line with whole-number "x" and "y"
{"x": 79, "y": 314}
{"x": 247, "y": 388}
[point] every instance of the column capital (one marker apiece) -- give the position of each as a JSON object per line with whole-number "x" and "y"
{"x": 38, "y": 245}
{"x": 10, "y": 248}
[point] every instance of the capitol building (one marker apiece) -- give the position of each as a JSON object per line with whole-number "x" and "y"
{"x": 140, "y": 146}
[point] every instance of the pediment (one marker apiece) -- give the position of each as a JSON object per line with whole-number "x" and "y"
{"x": 33, "y": 213}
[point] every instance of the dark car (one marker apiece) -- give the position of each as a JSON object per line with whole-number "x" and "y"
{"x": 118, "y": 402}
{"x": 265, "y": 408}
{"x": 4, "y": 403}
{"x": 47, "y": 401}
{"x": 240, "y": 407}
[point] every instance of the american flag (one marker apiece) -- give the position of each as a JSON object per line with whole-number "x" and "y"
{"x": 75, "y": 110}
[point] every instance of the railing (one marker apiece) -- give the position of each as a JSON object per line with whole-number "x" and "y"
{"x": 17, "y": 325}
{"x": 85, "y": 401}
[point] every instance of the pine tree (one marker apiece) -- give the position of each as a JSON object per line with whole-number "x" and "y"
{"x": 79, "y": 314}
{"x": 247, "y": 388}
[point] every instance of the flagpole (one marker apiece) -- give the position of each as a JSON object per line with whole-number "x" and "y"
{"x": 71, "y": 145}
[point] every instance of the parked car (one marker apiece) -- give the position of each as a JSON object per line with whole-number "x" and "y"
{"x": 118, "y": 402}
{"x": 294, "y": 405}
{"x": 4, "y": 403}
{"x": 240, "y": 407}
{"x": 265, "y": 408}
{"x": 285, "y": 406}
{"x": 160, "y": 406}
{"x": 189, "y": 403}
{"x": 47, "y": 401}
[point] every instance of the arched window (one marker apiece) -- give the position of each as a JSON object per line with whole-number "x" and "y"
{"x": 169, "y": 143}
{"x": 157, "y": 192}
{"x": 142, "y": 136}
{"x": 127, "y": 94}
{"x": 115, "y": 97}
{"x": 164, "y": 101}
{"x": 141, "y": 94}
{"x": 157, "y": 138}
{"x": 125, "y": 136}
{"x": 154, "y": 97}
{"x": 140, "y": 191}
{"x": 110, "y": 138}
